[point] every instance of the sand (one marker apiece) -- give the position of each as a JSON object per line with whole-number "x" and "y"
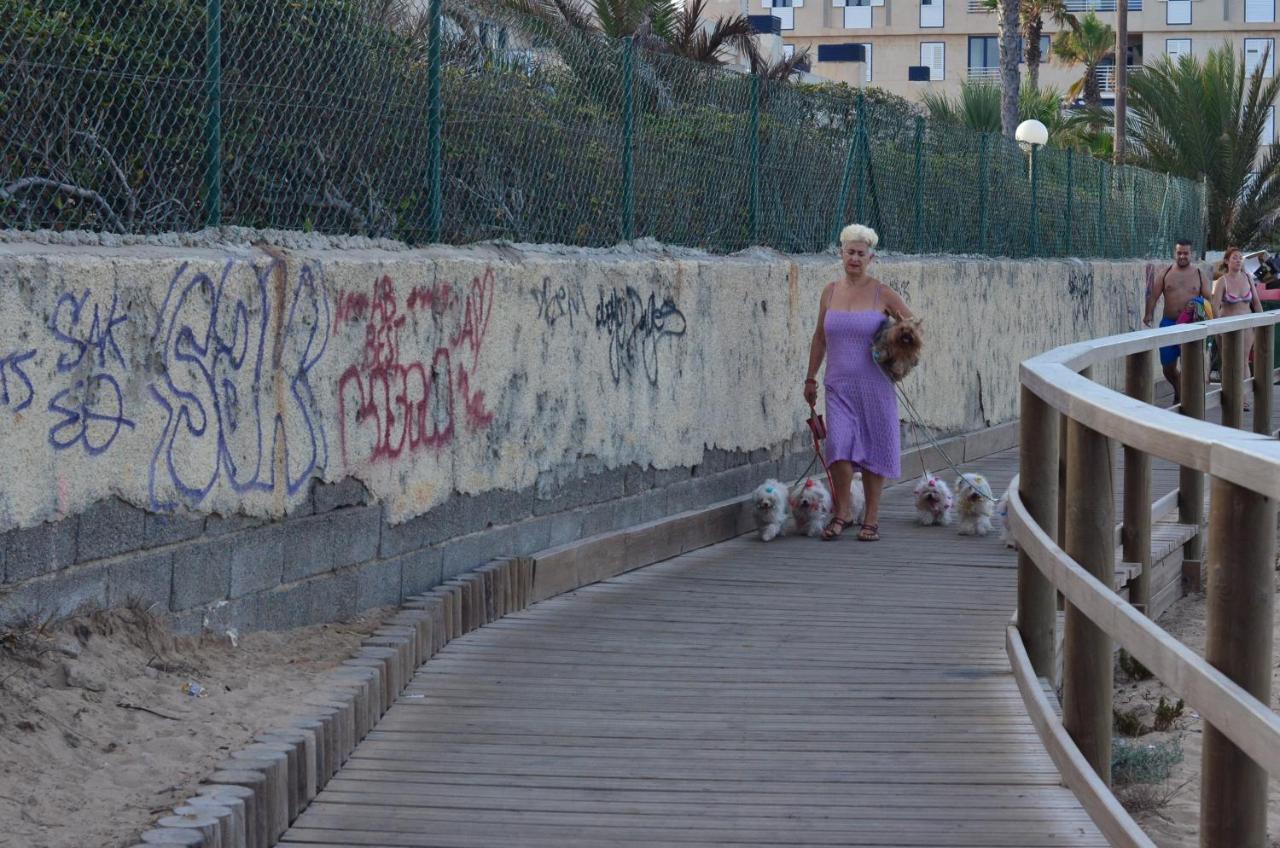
{"x": 1170, "y": 812}
{"x": 84, "y": 764}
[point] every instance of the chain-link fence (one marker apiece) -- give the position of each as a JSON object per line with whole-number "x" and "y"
{"x": 370, "y": 117}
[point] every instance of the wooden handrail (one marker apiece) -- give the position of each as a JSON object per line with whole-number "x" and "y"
{"x": 1062, "y": 523}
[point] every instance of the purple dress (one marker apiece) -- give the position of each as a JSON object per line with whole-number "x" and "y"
{"x": 861, "y": 408}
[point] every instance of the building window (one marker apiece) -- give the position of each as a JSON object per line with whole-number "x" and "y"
{"x": 984, "y": 57}
{"x": 866, "y": 45}
{"x": 1177, "y": 12}
{"x": 1045, "y": 46}
{"x": 1176, "y": 47}
{"x": 857, "y": 13}
{"x": 1259, "y": 11}
{"x": 933, "y": 55}
{"x": 784, "y": 11}
{"x": 1255, "y": 50}
{"x": 931, "y": 13}
{"x": 788, "y": 50}
{"x": 1269, "y": 128}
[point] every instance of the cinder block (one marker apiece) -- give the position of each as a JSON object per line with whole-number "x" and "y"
{"x": 256, "y": 559}
{"x": 636, "y": 480}
{"x": 32, "y": 551}
{"x": 286, "y": 606}
{"x": 594, "y": 488}
{"x": 109, "y": 528}
{"x": 146, "y": 577}
{"x": 346, "y": 492}
{"x": 220, "y": 525}
{"x": 321, "y": 543}
{"x": 201, "y": 573}
{"x": 167, "y": 529}
{"x": 464, "y": 554}
{"x": 421, "y": 570}
{"x": 378, "y": 584}
{"x": 332, "y": 597}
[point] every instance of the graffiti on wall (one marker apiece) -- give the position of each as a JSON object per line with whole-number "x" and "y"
{"x": 416, "y": 367}
{"x": 634, "y": 326}
{"x": 236, "y": 358}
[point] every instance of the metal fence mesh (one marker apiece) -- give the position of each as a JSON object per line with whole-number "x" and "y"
{"x": 148, "y": 116}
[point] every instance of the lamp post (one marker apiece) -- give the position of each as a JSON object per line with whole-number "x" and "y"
{"x": 1034, "y": 134}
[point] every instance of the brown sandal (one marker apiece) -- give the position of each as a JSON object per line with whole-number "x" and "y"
{"x": 834, "y": 528}
{"x": 869, "y": 533}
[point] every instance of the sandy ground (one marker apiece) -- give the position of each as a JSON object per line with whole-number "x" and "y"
{"x": 84, "y": 764}
{"x": 1170, "y": 812}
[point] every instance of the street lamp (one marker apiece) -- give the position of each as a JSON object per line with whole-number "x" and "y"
{"x": 1034, "y": 134}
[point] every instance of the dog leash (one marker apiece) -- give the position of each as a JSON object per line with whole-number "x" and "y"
{"x": 818, "y": 429}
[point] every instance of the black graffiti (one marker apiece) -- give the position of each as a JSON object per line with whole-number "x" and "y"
{"x": 635, "y": 325}
{"x": 561, "y": 303}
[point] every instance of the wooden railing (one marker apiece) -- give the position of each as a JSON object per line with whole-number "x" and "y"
{"x": 1064, "y": 527}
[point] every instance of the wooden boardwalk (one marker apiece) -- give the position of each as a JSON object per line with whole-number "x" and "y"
{"x": 793, "y": 693}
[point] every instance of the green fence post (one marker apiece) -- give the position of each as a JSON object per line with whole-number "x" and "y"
{"x": 1102, "y": 181}
{"x": 984, "y": 166}
{"x": 845, "y": 179}
{"x": 1035, "y": 203}
{"x": 1071, "y": 196}
{"x": 213, "y": 114}
{"x": 919, "y": 184}
{"x": 860, "y": 207}
{"x": 435, "y": 141}
{"x": 753, "y": 224}
{"x": 628, "y": 130}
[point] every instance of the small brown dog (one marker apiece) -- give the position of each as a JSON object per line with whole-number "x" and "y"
{"x": 897, "y": 345}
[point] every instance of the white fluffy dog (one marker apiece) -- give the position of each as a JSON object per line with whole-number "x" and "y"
{"x": 810, "y": 508}
{"x": 859, "y": 498}
{"x": 975, "y": 504}
{"x": 770, "y": 509}
{"x": 934, "y": 502}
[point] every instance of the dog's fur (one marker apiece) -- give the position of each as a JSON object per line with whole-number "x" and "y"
{"x": 1002, "y": 510}
{"x": 974, "y": 503}
{"x": 934, "y": 502}
{"x": 859, "y": 493}
{"x": 810, "y": 508}
{"x": 897, "y": 346}
{"x": 769, "y": 508}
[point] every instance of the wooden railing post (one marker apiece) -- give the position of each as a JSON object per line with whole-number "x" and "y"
{"x": 1191, "y": 481}
{"x": 1264, "y": 346}
{"x": 1135, "y": 535}
{"x": 1090, "y": 534}
{"x": 1242, "y": 546}
{"x": 1038, "y": 488}
{"x": 1232, "y": 370}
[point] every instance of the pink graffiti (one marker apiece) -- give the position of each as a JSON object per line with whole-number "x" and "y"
{"x": 396, "y": 404}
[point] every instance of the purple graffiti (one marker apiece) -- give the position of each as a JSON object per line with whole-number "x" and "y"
{"x": 11, "y": 367}
{"x": 223, "y": 420}
{"x": 95, "y": 337}
{"x": 92, "y": 415}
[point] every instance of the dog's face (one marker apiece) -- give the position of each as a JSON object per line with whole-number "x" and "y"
{"x": 973, "y": 488}
{"x": 811, "y": 498}
{"x": 931, "y": 490}
{"x": 769, "y": 497}
{"x": 906, "y": 336}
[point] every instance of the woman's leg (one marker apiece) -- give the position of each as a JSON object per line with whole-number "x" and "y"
{"x": 873, "y": 484}
{"x": 841, "y": 499}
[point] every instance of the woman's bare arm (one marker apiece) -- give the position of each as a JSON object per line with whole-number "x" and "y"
{"x": 818, "y": 345}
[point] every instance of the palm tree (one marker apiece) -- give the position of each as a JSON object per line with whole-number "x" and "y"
{"x": 1205, "y": 120}
{"x": 1031, "y": 16}
{"x": 1089, "y": 42}
{"x": 783, "y": 69}
{"x": 1010, "y": 79}
{"x": 977, "y": 107}
{"x": 691, "y": 39}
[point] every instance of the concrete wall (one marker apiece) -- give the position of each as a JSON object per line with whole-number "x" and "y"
{"x": 252, "y": 436}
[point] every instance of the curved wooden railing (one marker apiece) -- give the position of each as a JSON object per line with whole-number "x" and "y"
{"x": 1061, "y": 512}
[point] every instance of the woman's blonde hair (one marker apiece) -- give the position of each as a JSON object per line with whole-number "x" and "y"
{"x": 859, "y": 232}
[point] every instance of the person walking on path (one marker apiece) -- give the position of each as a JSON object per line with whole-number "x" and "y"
{"x": 1234, "y": 293}
{"x": 861, "y": 407}
{"x": 1179, "y": 284}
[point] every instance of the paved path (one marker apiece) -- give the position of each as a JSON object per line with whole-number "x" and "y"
{"x": 787, "y": 694}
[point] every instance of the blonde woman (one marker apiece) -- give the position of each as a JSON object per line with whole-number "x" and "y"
{"x": 861, "y": 407}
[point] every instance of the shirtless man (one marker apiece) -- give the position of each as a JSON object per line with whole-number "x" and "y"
{"x": 1179, "y": 283}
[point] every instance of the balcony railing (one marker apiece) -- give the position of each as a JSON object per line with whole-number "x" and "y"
{"x": 1073, "y": 6}
{"x": 984, "y": 73}
{"x": 1107, "y": 76}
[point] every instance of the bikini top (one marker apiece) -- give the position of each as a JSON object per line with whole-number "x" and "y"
{"x": 1228, "y": 297}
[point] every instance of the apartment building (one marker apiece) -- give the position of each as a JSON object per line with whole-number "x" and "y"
{"x": 947, "y": 41}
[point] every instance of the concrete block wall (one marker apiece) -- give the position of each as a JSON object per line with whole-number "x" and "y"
{"x": 248, "y": 436}
{"x": 338, "y": 554}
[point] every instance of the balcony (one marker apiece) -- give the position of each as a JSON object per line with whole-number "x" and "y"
{"x": 1075, "y": 7}
{"x": 978, "y": 73}
{"x": 1107, "y": 77}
